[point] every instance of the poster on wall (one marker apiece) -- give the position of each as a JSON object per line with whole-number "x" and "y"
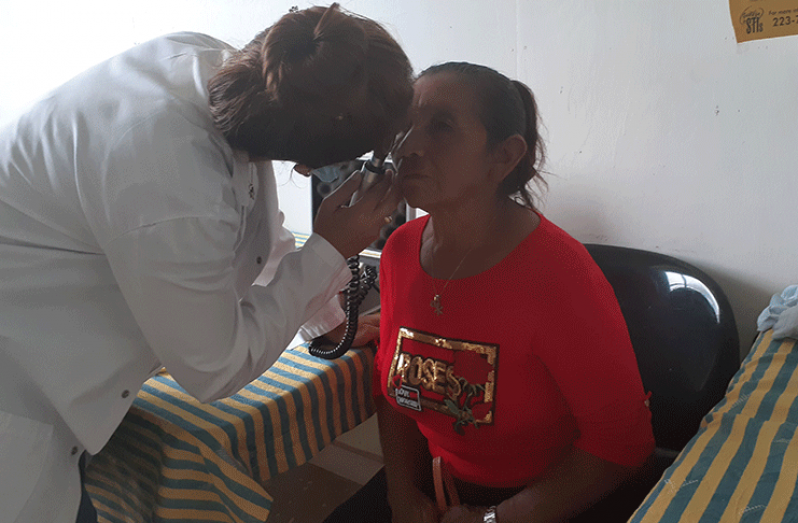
{"x": 759, "y": 19}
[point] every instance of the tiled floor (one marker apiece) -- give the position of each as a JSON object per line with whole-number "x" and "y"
{"x": 308, "y": 494}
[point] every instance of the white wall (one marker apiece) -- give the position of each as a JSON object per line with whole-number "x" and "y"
{"x": 663, "y": 133}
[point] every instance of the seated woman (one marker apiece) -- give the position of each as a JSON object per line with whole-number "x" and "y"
{"x": 502, "y": 346}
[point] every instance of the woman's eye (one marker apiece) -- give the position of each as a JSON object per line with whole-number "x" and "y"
{"x": 440, "y": 125}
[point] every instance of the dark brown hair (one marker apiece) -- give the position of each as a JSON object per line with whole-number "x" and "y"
{"x": 505, "y": 107}
{"x": 318, "y": 87}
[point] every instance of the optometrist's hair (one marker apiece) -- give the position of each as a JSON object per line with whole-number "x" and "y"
{"x": 318, "y": 87}
{"x": 505, "y": 107}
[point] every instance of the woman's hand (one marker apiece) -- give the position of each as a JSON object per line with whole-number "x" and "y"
{"x": 464, "y": 514}
{"x": 368, "y": 329}
{"x": 415, "y": 508}
{"x": 352, "y": 229}
{"x": 407, "y": 463}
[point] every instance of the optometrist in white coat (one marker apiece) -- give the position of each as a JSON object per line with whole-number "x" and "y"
{"x": 135, "y": 215}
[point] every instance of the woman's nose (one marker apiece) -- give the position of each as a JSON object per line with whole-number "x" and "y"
{"x": 407, "y": 144}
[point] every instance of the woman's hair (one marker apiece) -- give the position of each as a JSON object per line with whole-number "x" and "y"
{"x": 505, "y": 107}
{"x": 318, "y": 87}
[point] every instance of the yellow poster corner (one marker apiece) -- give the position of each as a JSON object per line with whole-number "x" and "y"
{"x": 760, "y": 19}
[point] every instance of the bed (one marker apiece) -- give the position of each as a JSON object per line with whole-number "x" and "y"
{"x": 742, "y": 465}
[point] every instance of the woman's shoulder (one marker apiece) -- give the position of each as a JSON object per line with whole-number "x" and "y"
{"x": 560, "y": 252}
{"x": 562, "y": 269}
{"x": 406, "y": 233}
{"x": 549, "y": 238}
{"x": 402, "y": 240}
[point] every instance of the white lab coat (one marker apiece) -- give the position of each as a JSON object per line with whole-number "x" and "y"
{"x": 130, "y": 237}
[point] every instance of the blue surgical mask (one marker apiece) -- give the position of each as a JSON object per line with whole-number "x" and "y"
{"x": 326, "y": 174}
{"x": 330, "y": 173}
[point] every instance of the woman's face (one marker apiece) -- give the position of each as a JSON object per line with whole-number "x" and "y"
{"x": 443, "y": 157}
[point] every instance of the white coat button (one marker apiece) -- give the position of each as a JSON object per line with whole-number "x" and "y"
{"x": 125, "y": 393}
{"x": 74, "y": 450}
{"x": 258, "y": 260}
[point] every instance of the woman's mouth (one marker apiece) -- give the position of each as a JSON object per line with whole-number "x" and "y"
{"x": 407, "y": 170}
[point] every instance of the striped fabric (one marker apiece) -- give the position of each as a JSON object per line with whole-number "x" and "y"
{"x": 742, "y": 466}
{"x": 174, "y": 459}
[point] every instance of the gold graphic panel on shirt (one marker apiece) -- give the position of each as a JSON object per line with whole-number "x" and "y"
{"x": 454, "y": 377}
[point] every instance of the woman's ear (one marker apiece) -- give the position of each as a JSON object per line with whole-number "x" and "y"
{"x": 506, "y": 156}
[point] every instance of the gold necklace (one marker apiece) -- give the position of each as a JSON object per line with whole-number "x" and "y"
{"x": 436, "y": 300}
{"x": 436, "y": 304}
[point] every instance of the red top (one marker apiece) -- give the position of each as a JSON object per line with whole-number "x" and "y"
{"x": 528, "y": 357}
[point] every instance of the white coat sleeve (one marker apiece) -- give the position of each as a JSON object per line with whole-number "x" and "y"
{"x": 169, "y": 222}
{"x": 178, "y": 280}
{"x": 330, "y": 315}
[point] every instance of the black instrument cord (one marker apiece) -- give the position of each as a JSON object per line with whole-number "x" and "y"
{"x": 371, "y": 172}
{"x": 354, "y": 294}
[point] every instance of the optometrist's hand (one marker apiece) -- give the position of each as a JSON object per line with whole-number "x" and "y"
{"x": 352, "y": 229}
{"x": 368, "y": 330}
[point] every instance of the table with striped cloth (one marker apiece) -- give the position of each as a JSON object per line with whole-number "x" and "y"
{"x": 742, "y": 465}
{"x": 174, "y": 459}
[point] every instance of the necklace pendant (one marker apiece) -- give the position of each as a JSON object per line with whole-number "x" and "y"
{"x": 436, "y": 304}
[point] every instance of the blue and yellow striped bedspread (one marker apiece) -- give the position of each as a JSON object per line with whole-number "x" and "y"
{"x": 174, "y": 459}
{"x": 742, "y": 466}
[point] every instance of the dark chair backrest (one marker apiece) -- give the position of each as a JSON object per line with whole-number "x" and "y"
{"x": 683, "y": 333}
